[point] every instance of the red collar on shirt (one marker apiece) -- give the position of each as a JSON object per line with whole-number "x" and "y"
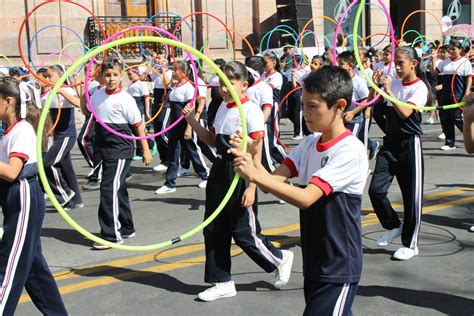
{"x": 11, "y": 127}
{"x": 46, "y": 92}
{"x": 325, "y": 146}
{"x": 456, "y": 58}
{"x": 409, "y": 83}
{"x": 101, "y": 86}
{"x": 269, "y": 74}
{"x": 113, "y": 92}
{"x": 181, "y": 84}
{"x": 135, "y": 80}
{"x": 234, "y": 105}
{"x": 257, "y": 82}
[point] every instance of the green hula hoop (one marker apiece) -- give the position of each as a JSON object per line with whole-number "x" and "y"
{"x": 376, "y": 88}
{"x": 45, "y": 112}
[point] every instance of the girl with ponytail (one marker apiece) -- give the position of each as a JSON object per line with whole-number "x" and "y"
{"x": 401, "y": 154}
{"x": 22, "y": 264}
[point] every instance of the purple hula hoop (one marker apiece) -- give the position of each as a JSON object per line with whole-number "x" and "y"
{"x": 392, "y": 37}
{"x": 86, "y": 85}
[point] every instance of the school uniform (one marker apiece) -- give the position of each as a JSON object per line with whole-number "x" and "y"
{"x": 261, "y": 93}
{"x": 451, "y": 117}
{"x": 379, "y": 109}
{"x": 118, "y": 111}
{"x": 401, "y": 156}
{"x": 179, "y": 98}
{"x": 331, "y": 234}
{"x": 22, "y": 264}
{"x": 369, "y": 143}
{"x": 85, "y": 139}
{"x": 275, "y": 80}
{"x": 368, "y": 70}
{"x": 57, "y": 161}
{"x": 359, "y": 93}
{"x": 208, "y": 151}
{"x": 216, "y": 100}
{"x": 163, "y": 119}
{"x": 234, "y": 221}
{"x": 139, "y": 91}
{"x": 295, "y": 110}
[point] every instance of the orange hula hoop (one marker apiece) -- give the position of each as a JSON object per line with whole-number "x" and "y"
{"x": 426, "y": 12}
{"x": 307, "y": 24}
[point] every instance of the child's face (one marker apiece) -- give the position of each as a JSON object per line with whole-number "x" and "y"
{"x": 112, "y": 78}
{"x": 329, "y": 57}
{"x": 387, "y": 57}
{"x": 377, "y": 57}
{"x": 344, "y": 65}
{"x": 403, "y": 65}
{"x": 161, "y": 60}
{"x": 315, "y": 64}
{"x": 443, "y": 54}
{"x": 177, "y": 75}
{"x": 454, "y": 52}
{"x": 269, "y": 64}
{"x": 7, "y": 105}
{"x": 239, "y": 86}
{"x": 316, "y": 114}
{"x": 52, "y": 75}
{"x": 41, "y": 83}
{"x": 363, "y": 58}
{"x": 132, "y": 76}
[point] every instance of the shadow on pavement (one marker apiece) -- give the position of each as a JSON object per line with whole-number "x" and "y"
{"x": 69, "y": 236}
{"x": 441, "y": 302}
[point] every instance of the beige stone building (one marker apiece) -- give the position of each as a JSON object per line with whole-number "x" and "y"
{"x": 249, "y": 21}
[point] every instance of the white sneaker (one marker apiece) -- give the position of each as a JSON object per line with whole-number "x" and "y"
{"x": 471, "y": 229}
{"x": 441, "y": 136}
{"x": 283, "y": 272}
{"x": 389, "y": 236}
{"x": 165, "y": 189}
{"x": 202, "y": 184}
{"x": 98, "y": 246}
{"x": 160, "y": 167}
{"x": 182, "y": 172}
{"x": 429, "y": 120}
{"x": 281, "y": 202}
{"x": 447, "y": 147}
{"x": 220, "y": 290}
{"x": 129, "y": 235}
{"x": 297, "y": 137}
{"x": 405, "y": 253}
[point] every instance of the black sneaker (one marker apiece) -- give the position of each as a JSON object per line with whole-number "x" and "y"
{"x": 69, "y": 206}
{"x": 91, "y": 185}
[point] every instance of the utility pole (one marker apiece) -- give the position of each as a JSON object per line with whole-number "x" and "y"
{"x": 199, "y": 25}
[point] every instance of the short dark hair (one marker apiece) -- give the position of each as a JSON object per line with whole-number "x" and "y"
{"x": 456, "y": 44}
{"x": 235, "y": 70}
{"x": 331, "y": 83}
{"x": 219, "y": 62}
{"x": 444, "y": 48}
{"x": 257, "y": 63}
{"x": 110, "y": 63}
{"x": 347, "y": 57}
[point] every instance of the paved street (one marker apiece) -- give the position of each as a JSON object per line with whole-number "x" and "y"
{"x": 438, "y": 281}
